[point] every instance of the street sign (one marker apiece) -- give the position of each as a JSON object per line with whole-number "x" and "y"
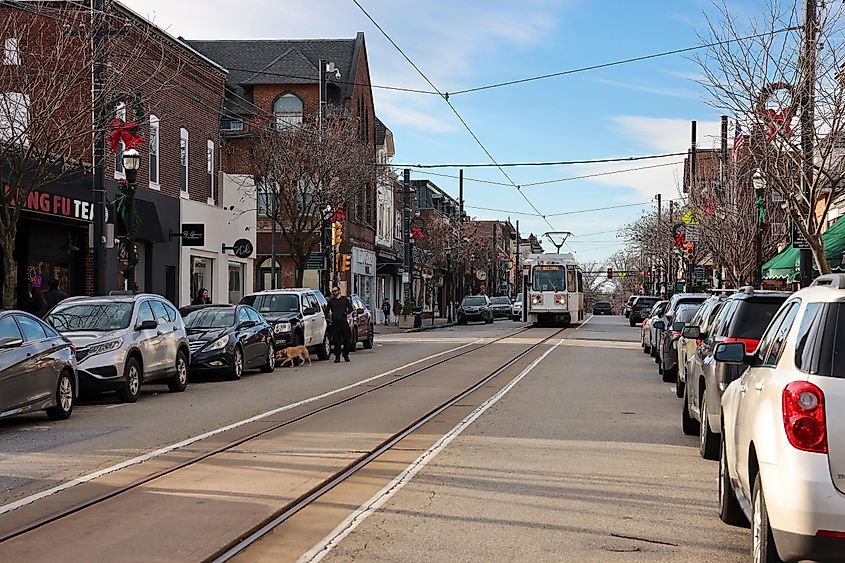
{"x": 798, "y": 240}
{"x": 689, "y": 218}
{"x": 481, "y": 275}
{"x": 316, "y": 261}
{"x": 691, "y": 232}
{"x": 699, "y": 273}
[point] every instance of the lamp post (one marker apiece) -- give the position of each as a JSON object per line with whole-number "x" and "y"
{"x": 131, "y": 163}
{"x": 759, "y": 183}
{"x": 448, "y": 284}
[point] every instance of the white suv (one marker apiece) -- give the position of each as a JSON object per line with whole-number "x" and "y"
{"x": 782, "y": 456}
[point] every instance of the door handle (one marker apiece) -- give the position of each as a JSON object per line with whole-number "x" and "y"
{"x": 159, "y": 333}
{"x": 758, "y": 386}
{"x": 743, "y": 388}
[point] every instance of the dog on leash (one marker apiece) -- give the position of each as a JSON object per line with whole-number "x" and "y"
{"x": 292, "y": 353}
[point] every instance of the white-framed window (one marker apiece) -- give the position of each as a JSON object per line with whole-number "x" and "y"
{"x": 119, "y": 172}
{"x": 288, "y": 110}
{"x": 183, "y": 161}
{"x": 14, "y": 117}
{"x": 210, "y": 168}
{"x": 11, "y": 51}
{"x": 154, "y": 140}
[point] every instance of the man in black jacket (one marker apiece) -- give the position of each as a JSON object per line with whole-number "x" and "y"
{"x": 337, "y": 311}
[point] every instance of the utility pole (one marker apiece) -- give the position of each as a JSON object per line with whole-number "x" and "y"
{"x": 807, "y": 99}
{"x": 516, "y": 268}
{"x": 723, "y": 178}
{"x": 693, "y": 185}
{"x": 98, "y": 79}
{"x": 657, "y": 277}
{"x": 670, "y": 269}
{"x": 406, "y": 232}
{"x": 493, "y": 279}
{"x": 461, "y": 229}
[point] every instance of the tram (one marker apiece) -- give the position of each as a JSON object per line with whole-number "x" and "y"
{"x": 554, "y": 289}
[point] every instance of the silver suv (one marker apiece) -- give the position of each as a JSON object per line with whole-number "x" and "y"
{"x": 123, "y": 341}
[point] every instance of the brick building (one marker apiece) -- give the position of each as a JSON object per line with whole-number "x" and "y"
{"x": 280, "y": 78}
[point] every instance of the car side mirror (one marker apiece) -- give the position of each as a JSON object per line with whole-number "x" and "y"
{"x": 309, "y": 311}
{"x": 659, "y": 325}
{"x": 691, "y": 332}
{"x": 10, "y": 342}
{"x": 730, "y": 353}
{"x": 147, "y": 325}
{"x": 247, "y": 324}
{"x": 678, "y": 326}
{"x": 360, "y": 310}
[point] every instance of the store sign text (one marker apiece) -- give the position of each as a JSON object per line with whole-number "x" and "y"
{"x": 55, "y": 204}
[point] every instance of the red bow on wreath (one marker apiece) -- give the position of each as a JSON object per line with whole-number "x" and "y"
{"x": 121, "y": 131}
{"x": 417, "y": 233}
{"x": 778, "y": 120}
{"x": 680, "y": 239}
{"x": 339, "y": 215}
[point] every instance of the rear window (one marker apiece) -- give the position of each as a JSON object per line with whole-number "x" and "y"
{"x": 820, "y": 348}
{"x": 751, "y": 317}
{"x": 686, "y": 313}
{"x": 646, "y": 302}
{"x": 501, "y": 301}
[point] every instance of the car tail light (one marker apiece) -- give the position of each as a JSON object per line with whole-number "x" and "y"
{"x": 676, "y": 334}
{"x": 560, "y": 298}
{"x": 537, "y": 299}
{"x": 830, "y": 534}
{"x": 73, "y": 349}
{"x": 803, "y": 417}
{"x": 750, "y": 343}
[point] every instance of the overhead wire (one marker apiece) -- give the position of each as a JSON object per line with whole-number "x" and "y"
{"x": 543, "y": 163}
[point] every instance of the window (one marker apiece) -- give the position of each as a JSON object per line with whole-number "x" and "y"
{"x": 9, "y": 328}
{"x": 253, "y": 315}
{"x": 172, "y": 313}
{"x": 243, "y": 316}
{"x": 154, "y": 130}
{"x": 11, "y": 52}
{"x": 210, "y": 169}
{"x": 235, "y": 125}
{"x": 368, "y": 205}
{"x": 183, "y": 161}
{"x": 288, "y": 110}
{"x": 119, "y": 113}
{"x": 264, "y": 200}
{"x": 236, "y": 282}
{"x": 14, "y": 116}
{"x": 777, "y": 334}
{"x": 160, "y": 312}
{"x": 807, "y": 343}
{"x": 32, "y": 329}
{"x": 202, "y": 275}
{"x": 145, "y": 313}
{"x": 312, "y": 302}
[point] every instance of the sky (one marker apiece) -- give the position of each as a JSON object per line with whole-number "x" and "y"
{"x": 641, "y": 108}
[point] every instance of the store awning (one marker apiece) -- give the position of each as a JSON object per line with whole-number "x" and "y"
{"x": 785, "y": 264}
{"x": 149, "y": 226}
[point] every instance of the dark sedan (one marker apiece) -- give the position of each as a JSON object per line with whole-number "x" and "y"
{"x": 475, "y": 308}
{"x": 37, "y": 368}
{"x": 228, "y": 339}
{"x": 362, "y": 324}
{"x": 501, "y": 307}
{"x": 602, "y": 308}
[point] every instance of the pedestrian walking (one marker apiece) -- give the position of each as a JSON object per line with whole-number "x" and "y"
{"x": 385, "y": 308}
{"x": 201, "y": 298}
{"x": 337, "y": 314}
{"x": 37, "y": 305}
{"x": 397, "y": 310}
{"x": 55, "y": 295}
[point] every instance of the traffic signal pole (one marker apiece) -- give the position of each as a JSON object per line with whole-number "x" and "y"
{"x": 693, "y": 161}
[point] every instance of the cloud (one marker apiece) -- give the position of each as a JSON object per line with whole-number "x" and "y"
{"x": 639, "y": 87}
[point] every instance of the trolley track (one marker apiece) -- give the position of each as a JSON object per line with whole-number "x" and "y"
{"x": 98, "y": 499}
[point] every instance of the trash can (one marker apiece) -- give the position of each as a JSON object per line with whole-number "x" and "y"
{"x": 418, "y": 317}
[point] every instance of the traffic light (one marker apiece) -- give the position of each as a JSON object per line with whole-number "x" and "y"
{"x": 646, "y": 274}
{"x": 337, "y": 233}
{"x": 609, "y": 273}
{"x": 689, "y": 251}
{"x": 345, "y": 262}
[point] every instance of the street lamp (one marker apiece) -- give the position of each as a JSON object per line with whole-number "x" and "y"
{"x": 759, "y": 183}
{"x": 448, "y": 283}
{"x": 131, "y": 163}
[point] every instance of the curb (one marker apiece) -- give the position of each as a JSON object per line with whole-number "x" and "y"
{"x": 425, "y": 328}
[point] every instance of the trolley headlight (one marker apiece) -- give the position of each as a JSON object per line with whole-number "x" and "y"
{"x": 560, "y": 298}
{"x": 537, "y": 299}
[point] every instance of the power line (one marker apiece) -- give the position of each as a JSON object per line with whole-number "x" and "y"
{"x": 545, "y": 163}
{"x": 560, "y": 213}
{"x": 312, "y": 78}
{"x": 620, "y": 62}
{"x": 608, "y": 173}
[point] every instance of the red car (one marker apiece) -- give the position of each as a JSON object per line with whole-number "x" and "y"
{"x": 362, "y": 324}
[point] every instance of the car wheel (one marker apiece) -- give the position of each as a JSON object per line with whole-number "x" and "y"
{"x": 708, "y": 445}
{"x": 237, "y": 369}
{"x": 688, "y": 423}
{"x": 179, "y": 382}
{"x": 64, "y": 398}
{"x": 667, "y": 373}
{"x": 368, "y": 343}
{"x": 631, "y": 322}
{"x": 353, "y": 345}
{"x": 324, "y": 351}
{"x": 679, "y": 387}
{"x": 763, "y": 549}
{"x": 646, "y": 348}
{"x": 131, "y": 389}
{"x": 270, "y": 364}
{"x": 729, "y": 509}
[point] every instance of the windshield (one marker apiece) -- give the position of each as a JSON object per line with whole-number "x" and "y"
{"x": 518, "y": 297}
{"x": 473, "y": 302}
{"x": 210, "y": 318}
{"x": 102, "y": 316}
{"x": 500, "y": 301}
{"x": 273, "y": 303}
{"x": 549, "y": 278}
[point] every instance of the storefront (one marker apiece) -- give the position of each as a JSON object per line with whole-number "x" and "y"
{"x": 364, "y": 276}
{"x": 388, "y": 279}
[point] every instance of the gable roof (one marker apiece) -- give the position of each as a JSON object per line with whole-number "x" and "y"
{"x": 381, "y": 132}
{"x": 291, "y": 67}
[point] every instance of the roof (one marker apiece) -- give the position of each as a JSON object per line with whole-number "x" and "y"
{"x": 785, "y": 264}
{"x": 381, "y": 132}
{"x": 281, "y": 61}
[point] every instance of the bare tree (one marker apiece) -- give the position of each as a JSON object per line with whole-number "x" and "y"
{"x": 305, "y": 172}
{"x": 759, "y": 72}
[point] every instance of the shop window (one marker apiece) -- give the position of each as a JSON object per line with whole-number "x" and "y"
{"x": 154, "y": 168}
{"x": 202, "y": 276}
{"x": 11, "y": 52}
{"x": 288, "y": 110}
{"x": 210, "y": 169}
{"x": 183, "y": 162}
{"x": 236, "y": 282}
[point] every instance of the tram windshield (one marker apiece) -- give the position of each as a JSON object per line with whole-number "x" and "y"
{"x": 549, "y": 278}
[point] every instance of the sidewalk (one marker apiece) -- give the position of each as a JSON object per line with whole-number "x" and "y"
{"x": 408, "y": 326}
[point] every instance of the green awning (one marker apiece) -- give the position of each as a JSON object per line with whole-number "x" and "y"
{"x": 785, "y": 264}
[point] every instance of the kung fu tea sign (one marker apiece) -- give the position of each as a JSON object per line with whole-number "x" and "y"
{"x": 54, "y": 204}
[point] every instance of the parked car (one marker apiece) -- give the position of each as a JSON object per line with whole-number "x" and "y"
{"x": 646, "y": 332}
{"x": 641, "y": 307}
{"x": 626, "y": 308}
{"x": 687, "y": 346}
{"x": 228, "y": 339}
{"x": 475, "y": 308}
{"x": 123, "y": 341}
{"x": 782, "y": 462}
{"x": 362, "y": 324}
{"x": 667, "y": 353}
{"x": 501, "y": 306}
{"x": 602, "y": 308}
{"x": 668, "y": 318}
{"x": 742, "y": 318}
{"x": 297, "y": 317}
{"x": 37, "y": 368}
{"x": 516, "y": 309}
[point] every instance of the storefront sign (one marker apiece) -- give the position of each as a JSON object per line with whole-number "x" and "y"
{"x": 56, "y": 204}
{"x": 363, "y": 261}
{"x": 242, "y": 248}
{"x": 193, "y": 234}
{"x": 798, "y": 240}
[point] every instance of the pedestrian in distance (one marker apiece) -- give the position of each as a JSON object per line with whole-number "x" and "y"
{"x": 397, "y": 310}
{"x": 201, "y": 298}
{"x": 55, "y": 295}
{"x": 385, "y": 308}
{"x": 338, "y": 310}
{"x": 37, "y": 305}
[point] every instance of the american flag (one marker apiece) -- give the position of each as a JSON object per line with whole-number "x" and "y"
{"x": 739, "y": 142}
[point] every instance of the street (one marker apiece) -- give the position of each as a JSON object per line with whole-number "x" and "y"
{"x": 582, "y": 459}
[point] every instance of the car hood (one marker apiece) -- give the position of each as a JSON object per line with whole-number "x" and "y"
{"x": 205, "y": 334}
{"x": 83, "y": 338}
{"x": 282, "y": 317}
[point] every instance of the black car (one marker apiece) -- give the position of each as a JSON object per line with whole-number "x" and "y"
{"x": 37, "y": 367}
{"x": 475, "y": 308}
{"x": 501, "y": 307}
{"x": 228, "y": 339}
{"x": 602, "y": 308}
{"x": 667, "y": 353}
{"x": 641, "y": 307}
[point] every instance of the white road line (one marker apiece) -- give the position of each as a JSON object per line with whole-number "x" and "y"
{"x": 167, "y": 449}
{"x": 328, "y": 543}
